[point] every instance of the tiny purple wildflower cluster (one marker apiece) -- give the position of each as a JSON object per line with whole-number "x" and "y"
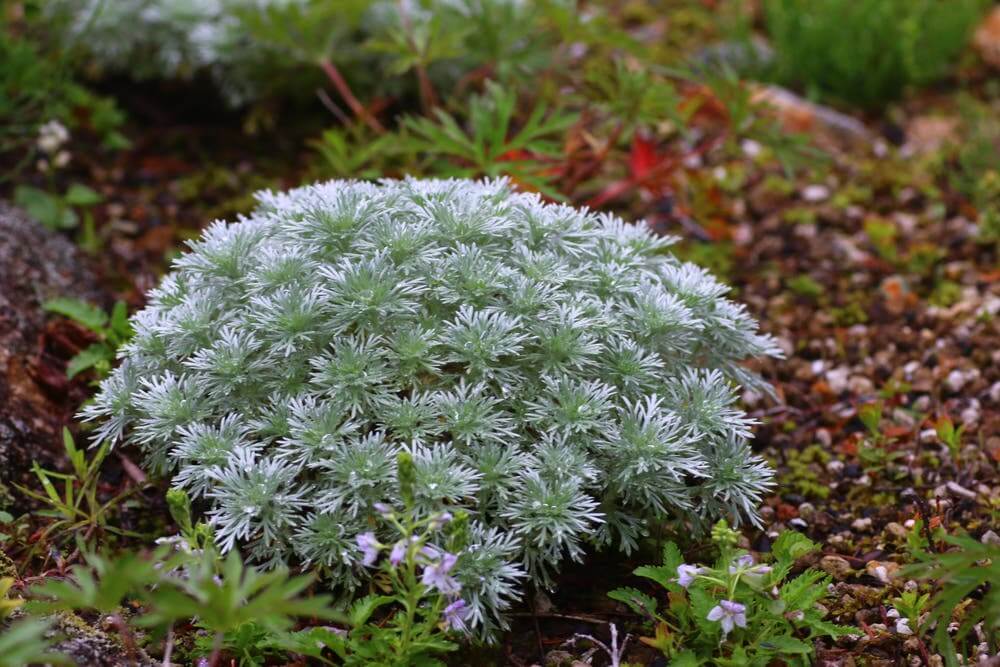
{"x": 727, "y": 613}
{"x": 737, "y": 609}
{"x": 436, "y": 564}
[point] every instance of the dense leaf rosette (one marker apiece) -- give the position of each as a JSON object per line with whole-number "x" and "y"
{"x": 556, "y": 372}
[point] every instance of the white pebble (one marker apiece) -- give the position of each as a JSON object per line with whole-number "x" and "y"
{"x": 815, "y": 193}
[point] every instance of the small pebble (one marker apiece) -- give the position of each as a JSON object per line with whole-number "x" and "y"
{"x": 955, "y": 381}
{"x": 896, "y": 530}
{"x": 815, "y": 193}
{"x": 860, "y": 385}
{"x": 862, "y": 524}
{"x": 837, "y": 379}
{"x": 751, "y": 148}
{"x": 959, "y": 490}
{"x": 835, "y": 566}
{"x": 970, "y": 416}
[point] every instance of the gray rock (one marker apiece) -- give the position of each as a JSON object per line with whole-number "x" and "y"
{"x": 86, "y": 644}
{"x": 35, "y": 264}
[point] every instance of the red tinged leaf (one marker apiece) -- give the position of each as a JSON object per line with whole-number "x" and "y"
{"x": 517, "y": 155}
{"x": 896, "y": 431}
{"x": 642, "y": 157}
{"x": 786, "y": 511}
{"x": 609, "y": 193}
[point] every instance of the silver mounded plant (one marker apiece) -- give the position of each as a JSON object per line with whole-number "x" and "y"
{"x": 253, "y": 49}
{"x": 170, "y": 39}
{"x": 555, "y": 372}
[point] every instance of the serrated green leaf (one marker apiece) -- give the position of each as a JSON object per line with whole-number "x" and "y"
{"x": 88, "y": 358}
{"x": 820, "y": 628}
{"x": 792, "y": 544}
{"x": 661, "y": 574}
{"x": 701, "y": 604}
{"x": 24, "y": 643}
{"x": 79, "y": 311}
{"x": 786, "y": 644}
{"x": 685, "y": 659}
{"x": 81, "y": 195}
{"x": 362, "y": 609}
{"x": 48, "y": 209}
{"x": 805, "y": 590}
{"x": 119, "y": 324}
{"x": 637, "y": 601}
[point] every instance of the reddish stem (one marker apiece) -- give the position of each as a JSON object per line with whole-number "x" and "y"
{"x": 344, "y": 91}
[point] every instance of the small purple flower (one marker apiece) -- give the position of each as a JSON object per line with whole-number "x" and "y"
{"x": 455, "y": 615}
{"x": 729, "y": 614}
{"x": 441, "y": 520}
{"x": 436, "y": 575}
{"x": 686, "y": 574}
{"x": 741, "y": 563}
{"x": 383, "y": 508}
{"x": 398, "y": 552}
{"x": 745, "y": 564}
{"x": 369, "y": 547}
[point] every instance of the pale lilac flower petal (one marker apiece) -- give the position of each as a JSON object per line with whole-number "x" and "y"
{"x": 369, "y": 547}
{"x": 743, "y": 562}
{"x": 447, "y": 562}
{"x": 686, "y": 574}
{"x": 727, "y": 624}
{"x": 729, "y": 614}
{"x": 435, "y": 575}
{"x": 398, "y": 552}
{"x": 455, "y": 614}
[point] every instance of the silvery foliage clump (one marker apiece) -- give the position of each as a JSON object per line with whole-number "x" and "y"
{"x": 169, "y": 38}
{"x": 555, "y": 372}
{"x": 183, "y": 38}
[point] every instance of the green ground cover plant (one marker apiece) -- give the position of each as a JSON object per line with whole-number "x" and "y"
{"x": 737, "y": 611}
{"x": 867, "y": 52}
